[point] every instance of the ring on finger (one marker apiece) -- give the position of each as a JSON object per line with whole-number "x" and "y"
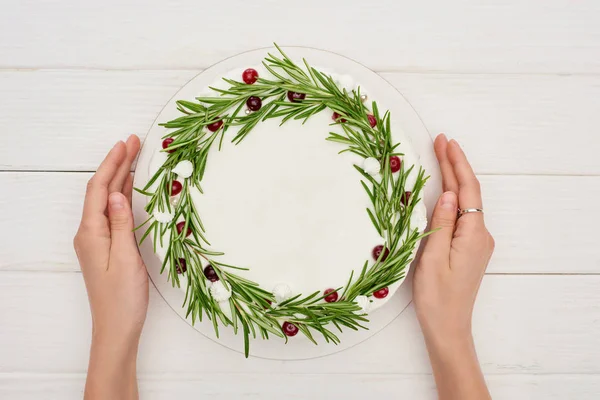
{"x": 463, "y": 211}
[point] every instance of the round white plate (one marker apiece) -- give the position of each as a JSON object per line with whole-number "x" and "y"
{"x": 403, "y": 116}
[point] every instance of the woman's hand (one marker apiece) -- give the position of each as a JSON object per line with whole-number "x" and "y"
{"x": 449, "y": 274}
{"x": 115, "y": 275}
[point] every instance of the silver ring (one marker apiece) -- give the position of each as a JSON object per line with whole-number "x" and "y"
{"x": 469, "y": 210}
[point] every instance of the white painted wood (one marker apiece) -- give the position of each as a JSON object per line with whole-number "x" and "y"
{"x": 542, "y": 224}
{"x": 65, "y": 120}
{"x": 522, "y": 325}
{"x": 515, "y": 124}
{"x": 494, "y": 36}
{"x": 301, "y": 386}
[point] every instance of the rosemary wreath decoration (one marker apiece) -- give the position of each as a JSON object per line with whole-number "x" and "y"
{"x": 291, "y": 92}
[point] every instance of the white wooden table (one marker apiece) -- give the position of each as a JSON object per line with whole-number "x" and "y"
{"x": 516, "y": 82}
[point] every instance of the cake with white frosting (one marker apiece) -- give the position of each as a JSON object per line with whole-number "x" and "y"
{"x": 288, "y": 207}
{"x": 283, "y": 202}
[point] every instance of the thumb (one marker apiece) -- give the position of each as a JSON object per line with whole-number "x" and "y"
{"x": 121, "y": 220}
{"x": 443, "y": 220}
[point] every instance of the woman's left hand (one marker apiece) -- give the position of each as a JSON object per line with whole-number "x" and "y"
{"x": 114, "y": 273}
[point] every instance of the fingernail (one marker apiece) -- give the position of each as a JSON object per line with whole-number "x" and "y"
{"x": 455, "y": 142}
{"x": 116, "y": 201}
{"x": 448, "y": 201}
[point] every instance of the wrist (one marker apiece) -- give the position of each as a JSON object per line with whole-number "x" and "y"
{"x": 112, "y": 368}
{"x": 446, "y": 330}
{"x": 455, "y": 367}
{"x": 447, "y": 342}
{"x": 114, "y": 334}
{"x": 450, "y": 346}
{"x": 113, "y": 348}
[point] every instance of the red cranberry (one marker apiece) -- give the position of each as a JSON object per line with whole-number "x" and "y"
{"x": 377, "y": 252}
{"x": 250, "y": 76}
{"x": 176, "y": 188}
{"x": 405, "y": 199}
{"x": 215, "y": 126}
{"x": 331, "y": 298}
{"x": 180, "y": 226}
{"x": 336, "y": 117}
{"x": 180, "y": 266}
{"x": 290, "y": 329}
{"x": 372, "y": 120}
{"x": 254, "y": 103}
{"x": 166, "y": 144}
{"x": 395, "y": 163}
{"x": 210, "y": 273}
{"x": 381, "y": 293}
{"x": 296, "y": 97}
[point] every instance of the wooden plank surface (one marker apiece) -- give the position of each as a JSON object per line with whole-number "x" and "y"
{"x": 542, "y": 224}
{"x": 302, "y": 386}
{"x": 543, "y": 36}
{"x": 522, "y": 325}
{"x": 508, "y": 124}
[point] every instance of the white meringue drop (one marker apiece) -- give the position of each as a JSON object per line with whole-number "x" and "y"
{"x": 163, "y": 217}
{"x": 364, "y": 303}
{"x": 184, "y": 169}
{"x": 371, "y": 166}
{"x": 219, "y": 292}
{"x": 282, "y": 292}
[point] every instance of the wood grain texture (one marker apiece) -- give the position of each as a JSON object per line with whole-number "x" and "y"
{"x": 515, "y": 327}
{"x": 302, "y": 386}
{"x": 512, "y": 124}
{"x": 508, "y": 124}
{"x": 542, "y": 224}
{"x": 547, "y": 36}
{"x": 66, "y": 119}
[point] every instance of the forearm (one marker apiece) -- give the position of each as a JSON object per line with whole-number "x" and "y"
{"x": 112, "y": 370}
{"x": 456, "y": 368}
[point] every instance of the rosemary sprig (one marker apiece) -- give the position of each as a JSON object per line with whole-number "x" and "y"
{"x": 250, "y": 307}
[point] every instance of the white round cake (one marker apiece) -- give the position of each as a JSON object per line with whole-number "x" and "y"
{"x": 289, "y": 204}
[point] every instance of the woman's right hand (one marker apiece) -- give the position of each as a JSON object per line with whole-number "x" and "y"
{"x": 449, "y": 274}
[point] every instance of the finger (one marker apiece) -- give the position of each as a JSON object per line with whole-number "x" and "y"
{"x": 449, "y": 182}
{"x": 133, "y": 146}
{"x": 97, "y": 190}
{"x": 443, "y": 220}
{"x": 469, "y": 192}
{"x": 128, "y": 187}
{"x": 121, "y": 223}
